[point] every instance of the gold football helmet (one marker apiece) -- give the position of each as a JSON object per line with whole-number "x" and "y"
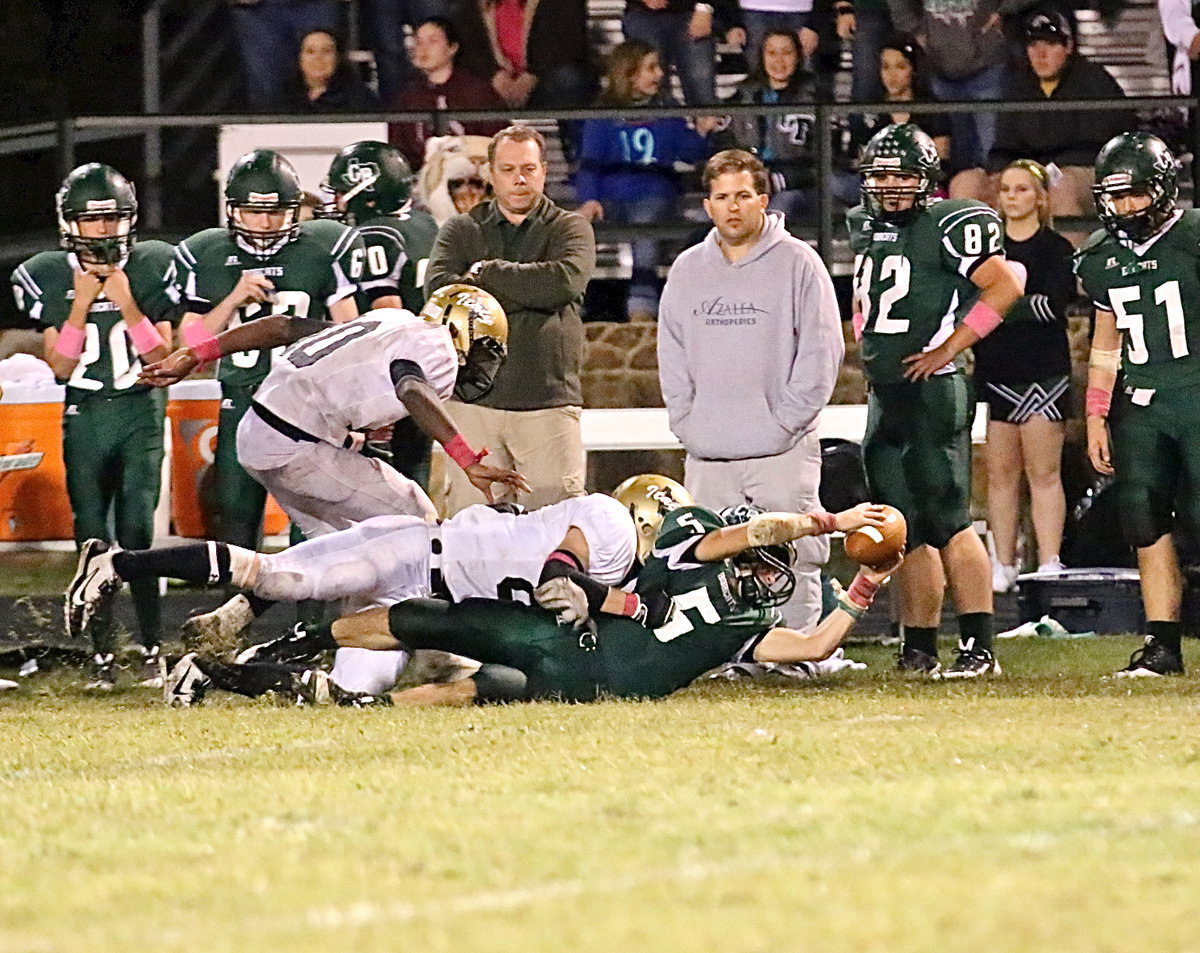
{"x": 469, "y": 313}
{"x": 479, "y": 329}
{"x": 648, "y": 498}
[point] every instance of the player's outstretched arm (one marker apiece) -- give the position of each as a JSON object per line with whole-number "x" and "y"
{"x": 792, "y": 645}
{"x": 768, "y": 529}
{"x": 274, "y": 330}
{"x": 426, "y": 409}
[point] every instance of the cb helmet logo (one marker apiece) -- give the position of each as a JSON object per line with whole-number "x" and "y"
{"x": 362, "y": 174}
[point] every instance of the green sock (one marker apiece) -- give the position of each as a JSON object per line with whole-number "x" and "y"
{"x": 977, "y": 626}
{"x": 1165, "y": 634}
{"x": 920, "y": 638}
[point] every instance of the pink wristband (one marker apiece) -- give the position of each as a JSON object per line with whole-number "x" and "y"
{"x": 632, "y": 605}
{"x": 461, "y": 453}
{"x": 202, "y": 341}
{"x": 857, "y": 323}
{"x": 1097, "y": 401}
{"x": 862, "y": 591}
{"x": 983, "y": 319}
{"x": 70, "y": 341}
{"x": 145, "y": 336}
{"x": 826, "y": 522}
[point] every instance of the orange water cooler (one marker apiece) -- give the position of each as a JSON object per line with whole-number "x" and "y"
{"x": 33, "y": 481}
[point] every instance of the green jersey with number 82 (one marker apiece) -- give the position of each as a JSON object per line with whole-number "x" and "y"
{"x": 44, "y": 287}
{"x": 1147, "y": 288}
{"x": 321, "y": 267}
{"x": 912, "y": 280}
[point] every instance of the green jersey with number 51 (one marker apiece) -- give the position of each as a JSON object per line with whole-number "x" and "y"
{"x": 1147, "y": 287}
{"x": 320, "y": 267}
{"x": 913, "y": 279}
{"x": 44, "y": 287}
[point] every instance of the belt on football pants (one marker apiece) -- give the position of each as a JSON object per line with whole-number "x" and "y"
{"x": 277, "y": 423}
{"x": 437, "y": 582}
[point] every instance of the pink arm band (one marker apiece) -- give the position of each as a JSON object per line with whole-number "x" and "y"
{"x": 70, "y": 341}
{"x": 983, "y": 319}
{"x": 461, "y": 453}
{"x": 857, "y": 323}
{"x": 145, "y": 336}
{"x": 202, "y": 341}
{"x": 826, "y": 522}
{"x": 862, "y": 591}
{"x": 1097, "y": 401}
{"x": 632, "y": 605}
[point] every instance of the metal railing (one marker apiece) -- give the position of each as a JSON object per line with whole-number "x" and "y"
{"x": 66, "y": 136}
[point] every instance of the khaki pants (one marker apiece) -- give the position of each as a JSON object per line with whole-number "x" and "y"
{"x": 786, "y": 482}
{"x": 545, "y": 446}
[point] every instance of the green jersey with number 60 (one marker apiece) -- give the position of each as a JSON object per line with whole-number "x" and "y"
{"x": 708, "y": 624}
{"x": 1148, "y": 287}
{"x": 397, "y": 253}
{"x": 912, "y": 279}
{"x": 320, "y": 267}
{"x": 44, "y": 287}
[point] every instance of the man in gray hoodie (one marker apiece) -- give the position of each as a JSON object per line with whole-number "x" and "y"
{"x": 749, "y": 346}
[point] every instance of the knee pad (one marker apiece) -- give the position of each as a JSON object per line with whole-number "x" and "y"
{"x": 500, "y": 683}
{"x": 283, "y": 585}
{"x": 1144, "y": 517}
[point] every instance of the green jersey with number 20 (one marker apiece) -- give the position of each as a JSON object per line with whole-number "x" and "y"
{"x": 1147, "y": 288}
{"x": 44, "y": 287}
{"x": 912, "y": 280}
{"x": 320, "y": 267}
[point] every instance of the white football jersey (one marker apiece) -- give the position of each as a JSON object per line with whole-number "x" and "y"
{"x": 500, "y": 555}
{"x": 339, "y": 379}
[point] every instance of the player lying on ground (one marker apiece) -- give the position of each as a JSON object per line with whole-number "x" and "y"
{"x": 724, "y": 582}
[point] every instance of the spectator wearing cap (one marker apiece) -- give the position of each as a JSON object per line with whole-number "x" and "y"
{"x": 441, "y": 84}
{"x": 1066, "y": 143}
{"x": 534, "y": 52}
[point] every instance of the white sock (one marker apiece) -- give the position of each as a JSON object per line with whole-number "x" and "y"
{"x": 368, "y": 670}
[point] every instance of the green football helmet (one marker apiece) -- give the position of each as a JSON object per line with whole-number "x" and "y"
{"x": 763, "y": 574}
{"x": 263, "y": 181}
{"x": 370, "y": 179}
{"x": 900, "y": 148}
{"x": 94, "y": 192}
{"x": 1136, "y": 162}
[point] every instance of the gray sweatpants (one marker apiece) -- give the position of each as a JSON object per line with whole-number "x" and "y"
{"x": 786, "y": 482}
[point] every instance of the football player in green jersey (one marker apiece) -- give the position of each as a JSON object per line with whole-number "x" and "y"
{"x": 265, "y": 261}
{"x": 105, "y": 305}
{"x": 371, "y": 187}
{"x": 724, "y": 582}
{"x": 1141, "y": 271}
{"x": 919, "y": 263}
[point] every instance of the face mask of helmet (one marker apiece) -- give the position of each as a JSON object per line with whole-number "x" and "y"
{"x": 477, "y": 375}
{"x": 262, "y": 243}
{"x": 1139, "y": 225}
{"x": 104, "y": 250}
{"x": 877, "y": 197}
{"x": 764, "y": 575}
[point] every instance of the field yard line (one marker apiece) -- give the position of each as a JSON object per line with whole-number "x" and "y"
{"x": 367, "y": 914}
{"x": 162, "y": 760}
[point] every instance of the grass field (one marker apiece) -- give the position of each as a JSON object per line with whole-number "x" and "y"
{"x": 1052, "y": 809}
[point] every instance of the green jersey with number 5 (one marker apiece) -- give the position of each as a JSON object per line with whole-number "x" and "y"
{"x": 320, "y": 267}
{"x": 912, "y": 279}
{"x": 44, "y": 287}
{"x": 1147, "y": 287}
{"x": 397, "y": 253}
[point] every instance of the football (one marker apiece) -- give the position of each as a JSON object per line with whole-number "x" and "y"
{"x": 877, "y": 546}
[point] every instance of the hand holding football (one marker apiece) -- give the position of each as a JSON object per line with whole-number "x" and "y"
{"x": 877, "y": 546}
